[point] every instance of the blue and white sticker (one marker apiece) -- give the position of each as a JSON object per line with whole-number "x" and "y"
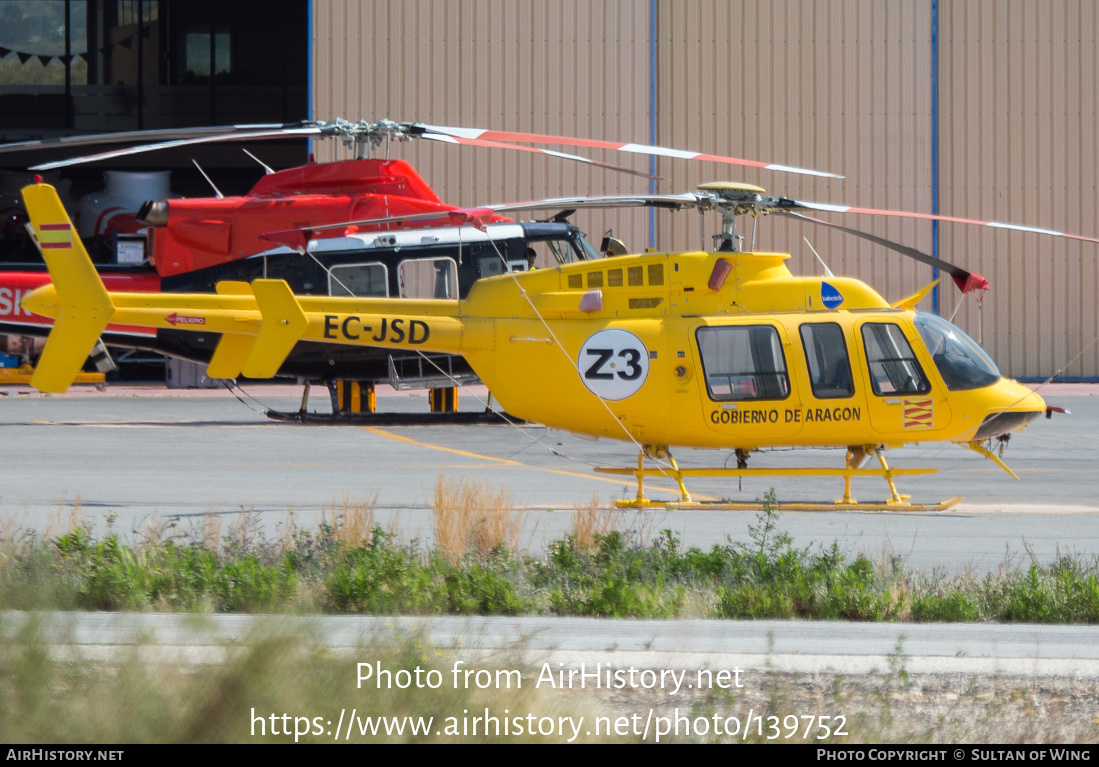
{"x": 829, "y": 296}
{"x": 613, "y": 364}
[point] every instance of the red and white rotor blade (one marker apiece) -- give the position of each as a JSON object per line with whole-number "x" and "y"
{"x": 829, "y": 208}
{"x": 447, "y": 139}
{"x": 656, "y": 151}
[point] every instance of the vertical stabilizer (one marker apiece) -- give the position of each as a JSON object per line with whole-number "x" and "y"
{"x": 283, "y": 324}
{"x": 83, "y": 306}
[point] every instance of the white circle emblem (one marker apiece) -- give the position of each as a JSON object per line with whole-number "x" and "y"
{"x": 613, "y": 364}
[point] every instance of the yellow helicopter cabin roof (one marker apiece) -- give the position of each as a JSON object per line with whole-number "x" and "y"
{"x": 668, "y": 284}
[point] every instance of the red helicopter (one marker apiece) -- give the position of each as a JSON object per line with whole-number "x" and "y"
{"x": 193, "y": 244}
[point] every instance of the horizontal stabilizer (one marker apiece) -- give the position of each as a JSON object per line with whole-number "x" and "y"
{"x": 70, "y": 342}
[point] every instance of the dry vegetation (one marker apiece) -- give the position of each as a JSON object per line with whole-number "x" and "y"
{"x": 470, "y": 517}
{"x": 478, "y": 566}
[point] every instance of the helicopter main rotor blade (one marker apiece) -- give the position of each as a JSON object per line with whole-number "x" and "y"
{"x": 481, "y": 214}
{"x": 655, "y": 151}
{"x": 967, "y": 282}
{"x": 336, "y": 129}
{"x": 670, "y": 201}
{"x": 298, "y": 239}
{"x": 518, "y": 147}
{"x": 207, "y": 139}
{"x": 139, "y": 136}
{"x": 787, "y": 203}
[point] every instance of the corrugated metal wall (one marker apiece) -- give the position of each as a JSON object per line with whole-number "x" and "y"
{"x": 1019, "y": 143}
{"x": 572, "y": 67}
{"x": 836, "y": 86}
{"x": 839, "y": 85}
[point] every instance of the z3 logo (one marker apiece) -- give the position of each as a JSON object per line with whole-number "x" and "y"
{"x": 613, "y": 364}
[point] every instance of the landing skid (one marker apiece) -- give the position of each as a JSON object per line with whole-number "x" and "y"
{"x": 358, "y": 415}
{"x": 725, "y": 505}
{"x": 855, "y": 457}
{"x": 393, "y": 419}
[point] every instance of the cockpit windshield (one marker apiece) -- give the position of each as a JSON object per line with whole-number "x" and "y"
{"x": 962, "y": 363}
{"x": 590, "y": 252}
{"x": 556, "y": 243}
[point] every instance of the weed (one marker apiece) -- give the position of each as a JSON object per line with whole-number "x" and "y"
{"x": 349, "y": 564}
{"x": 593, "y": 520}
{"x": 897, "y": 661}
{"x": 473, "y": 518}
{"x": 352, "y": 522}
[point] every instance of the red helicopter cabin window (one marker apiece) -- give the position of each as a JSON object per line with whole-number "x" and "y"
{"x": 359, "y": 280}
{"x": 428, "y": 278}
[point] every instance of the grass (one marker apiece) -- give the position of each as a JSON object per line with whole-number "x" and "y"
{"x": 592, "y": 522}
{"x": 349, "y": 564}
{"x": 473, "y": 518}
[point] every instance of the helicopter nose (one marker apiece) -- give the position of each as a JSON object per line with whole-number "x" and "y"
{"x": 1003, "y": 423}
{"x": 41, "y": 301}
{"x": 1019, "y": 407}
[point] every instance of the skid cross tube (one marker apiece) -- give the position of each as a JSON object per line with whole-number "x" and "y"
{"x": 855, "y": 458}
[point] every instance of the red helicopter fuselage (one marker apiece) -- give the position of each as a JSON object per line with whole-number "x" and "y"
{"x": 204, "y": 232}
{"x": 207, "y": 231}
{"x": 192, "y": 243}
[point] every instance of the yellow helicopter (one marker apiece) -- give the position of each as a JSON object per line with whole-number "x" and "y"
{"x": 722, "y": 349}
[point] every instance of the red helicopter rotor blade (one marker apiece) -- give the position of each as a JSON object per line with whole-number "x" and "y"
{"x": 829, "y": 208}
{"x": 503, "y": 145}
{"x": 656, "y": 151}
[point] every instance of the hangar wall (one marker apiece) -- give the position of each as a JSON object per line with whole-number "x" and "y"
{"x": 852, "y": 86}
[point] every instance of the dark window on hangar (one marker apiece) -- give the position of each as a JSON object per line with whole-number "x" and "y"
{"x": 97, "y": 66}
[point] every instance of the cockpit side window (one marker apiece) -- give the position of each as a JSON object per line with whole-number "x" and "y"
{"x": 829, "y": 365}
{"x": 743, "y": 362}
{"x": 893, "y": 366}
{"x": 543, "y": 254}
{"x": 961, "y": 362}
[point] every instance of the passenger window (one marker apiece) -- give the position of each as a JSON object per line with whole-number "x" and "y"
{"x": 829, "y": 365}
{"x": 743, "y": 363}
{"x": 893, "y": 366}
{"x": 358, "y": 280}
{"x": 428, "y": 278}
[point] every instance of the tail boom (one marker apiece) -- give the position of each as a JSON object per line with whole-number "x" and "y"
{"x": 259, "y": 323}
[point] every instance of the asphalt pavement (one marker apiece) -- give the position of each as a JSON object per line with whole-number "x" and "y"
{"x": 141, "y": 454}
